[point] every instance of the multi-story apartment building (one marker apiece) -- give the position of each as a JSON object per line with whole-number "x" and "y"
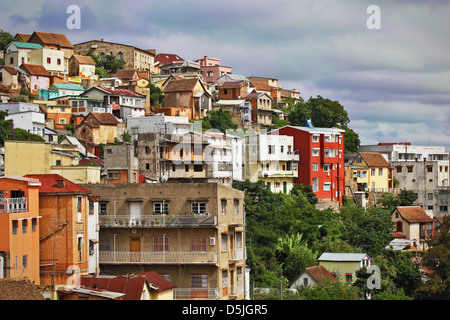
{"x": 19, "y": 228}
{"x": 322, "y": 163}
{"x": 121, "y": 164}
{"x": 272, "y": 159}
{"x": 192, "y": 234}
{"x": 135, "y": 58}
{"x": 212, "y": 70}
{"x": 63, "y": 236}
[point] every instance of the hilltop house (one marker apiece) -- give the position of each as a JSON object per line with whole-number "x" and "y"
{"x": 99, "y": 128}
{"x": 312, "y": 276}
{"x": 344, "y": 265}
{"x": 82, "y": 66}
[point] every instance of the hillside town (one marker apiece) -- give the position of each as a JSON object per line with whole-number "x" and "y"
{"x": 132, "y": 174}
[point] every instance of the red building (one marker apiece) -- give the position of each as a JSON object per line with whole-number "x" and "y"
{"x": 321, "y": 162}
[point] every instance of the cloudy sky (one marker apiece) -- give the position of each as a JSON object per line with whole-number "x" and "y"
{"x": 393, "y": 81}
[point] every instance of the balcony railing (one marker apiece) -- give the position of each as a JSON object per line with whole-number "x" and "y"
{"x": 159, "y": 221}
{"x": 195, "y": 294}
{"x": 236, "y": 255}
{"x": 13, "y": 205}
{"x": 127, "y": 257}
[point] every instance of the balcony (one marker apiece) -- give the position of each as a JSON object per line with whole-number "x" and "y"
{"x": 13, "y": 205}
{"x": 236, "y": 255}
{"x": 158, "y": 221}
{"x": 167, "y": 257}
{"x": 195, "y": 294}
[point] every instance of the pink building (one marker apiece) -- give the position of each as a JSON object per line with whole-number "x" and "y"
{"x": 212, "y": 70}
{"x": 38, "y": 77}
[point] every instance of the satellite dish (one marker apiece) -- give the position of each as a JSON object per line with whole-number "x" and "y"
{"x": 164, "y": 178}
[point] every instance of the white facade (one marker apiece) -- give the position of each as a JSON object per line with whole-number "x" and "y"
{"x": 161, "y": 124}
{"x": 25, "y": 116}
{"x": 406, "y": 152}
{"x": 93, "y": 236}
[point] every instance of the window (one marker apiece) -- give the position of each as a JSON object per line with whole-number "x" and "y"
{"x": 199, "y": 281}
{"x": 410, "y": 169}
{"x": 120, "y": 56}
{"x": 225, "y": 282}
{"x": 105, "y": 243}
{"x": 271, "y": 149}
{"x": 399, "y": 226}
{"x": 348, "y": 277}
{"x": 224, "y": 244}
{"x": 315, "y": 184}
{"x": 24, "y": 225}
{"x": 326, "y": 168}
{"x": 33, "y": 225}
{"x": 62, "y": 120}
{"x": 443, "y": 208}
{"x": 399, "y": 169}
{"x": 429, "y": 169}
{"x": 373, "y": 172}
{"x": 198, "y": 168}
{"x": 315, "y": 139}
{"x": 58, "y": 62}
{"x": 14, "y": 226}
{"x": 79, "y": 202}
{"x": 49, "y": 60}
{"x": 380, "y": 172}
{"x": 160, "y": 208}
{"x": 315, "y": 167}
{"x": 24, "y": 261}
{"x": 198, "y": 207}
{"x": 113, "y": 175}
{"x": 102, "y": 207}
{"x": 58, "y": 162}
{"x": 236, "y": 206}
{"x": 224, "y": 206}
{"x": 326, "y": 186}
{"x": 430, "y": 196}
{"x": 315, "y": 152}
{"x": 198, "y": 244}
{"x": 160, "y": 244}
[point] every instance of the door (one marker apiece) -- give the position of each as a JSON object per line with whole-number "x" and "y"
{"x": 135, "y": 212}
{"x": 135, "y": 249}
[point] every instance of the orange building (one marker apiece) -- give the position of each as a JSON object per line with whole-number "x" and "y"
{"x": 64, "y": 208}
{"x": 19, "y": 228}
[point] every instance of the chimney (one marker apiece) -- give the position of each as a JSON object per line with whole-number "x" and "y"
{"x": 60, "y": 183}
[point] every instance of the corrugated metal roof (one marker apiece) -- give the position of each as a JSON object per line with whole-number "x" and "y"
{"x": 332, "y": 256}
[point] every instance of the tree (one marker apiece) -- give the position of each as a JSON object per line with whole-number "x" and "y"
{"x": 156, "y": 95}
{"x": 6, "y": 127}
{"x": 220, "y": 120}
{"x": 108, "y": 65}
{"x": 5, "y": 39}
{"x": 438, "y": 259}
{"x": 407, "y": 197}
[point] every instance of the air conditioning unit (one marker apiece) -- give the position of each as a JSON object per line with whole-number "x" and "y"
{"x": 212, "y": 241}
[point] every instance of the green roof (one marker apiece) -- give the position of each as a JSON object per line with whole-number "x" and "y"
{"x": 27, "y": 45}
{"x": 66, "y": 86}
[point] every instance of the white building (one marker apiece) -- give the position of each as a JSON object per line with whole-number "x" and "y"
{"x": 271, "y": 158}
{"x": 26, "y": 116}
{"x": 407, "y": 152}
{"x": 160, "y": 124}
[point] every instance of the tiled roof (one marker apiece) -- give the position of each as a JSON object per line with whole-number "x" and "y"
{"x": 374, "y": 159}
{"x": 181, "y": 85}
{"x": 414, "y": 214}
{"x": 53, "y": 38}
{"x": 23, "y": 36}
{"x": 49, "y": 184}
{"x": 84, "y": 59}
{"x": 158, "y": 281}
{"x": 18, "y": 289}
{"x": 126, "y": 74}
{"x": 11, "y": 70}
{"x": 320, "y": 274}
{"x": 105, "y": 117}
{"x": 35, "y": 70}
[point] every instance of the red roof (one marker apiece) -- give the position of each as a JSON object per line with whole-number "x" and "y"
{"x": 49, "y": 184}
{"x": 165, "y": 58}
{"x": 132, "y": 287}
{"x": 120, "y": 92}
{"x": 414, "y": 214}
{"x": 157, "y": 280}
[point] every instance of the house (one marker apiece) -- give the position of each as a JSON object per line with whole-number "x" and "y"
{"x": 322, "y": 161}
{"x": 127, "y": 76}
{"x": 9, "y": 78}
{"x": 261, "y": 107}
{"x": 167, "y": 58}
{"x": 212, "y": 70}
{"x": 58, "y": 114}
{"x": 187, "y": 69}
{"x": 161, "y": 124}
{"x": 272, "y": 159}
{"x": 121, "y": 164}
{"x": 160, "y": 288}
{"x": 189, "y": 96}
{"x": 54, "y": 42}
{"x": 344, "y": 265}
{"x": 38, "y": 77}
{"x": 31, "y": 157}
{"x": 269, "y": 85}
{"x": 17, "y": 53}
{"x": 124, "y": 103}
{"x": 82, "y": 66}
{"x": 19, "y": 289}
{"x": 312, "y": 276}
{"x": 26, "y": 116}
{"x": 99, "y": 128}
{"x": 22, "y": 37}
{"x": 64, "y": 208}
{"x": 76, "y": 293}
{"x": 64, "y": 89}
{"x": 412, "y": 223}
{"x": 191, "y": 234}
{"x": 50, "y": 135}
{"x": 372, "y": 172}
{"x": 135, "y": 58}
{"x": 19, "y": 228}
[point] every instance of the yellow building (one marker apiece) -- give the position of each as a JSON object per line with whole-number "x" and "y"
{"x": 30, "y": 157}
{"x": 372, "y": 172}
{"x": 344, "y": 265}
